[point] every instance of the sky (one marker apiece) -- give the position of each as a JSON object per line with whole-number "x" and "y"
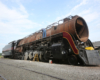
{"x": 19, "y": 18}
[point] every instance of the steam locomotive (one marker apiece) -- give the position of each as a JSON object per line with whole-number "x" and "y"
{"x": 65, "y": 40}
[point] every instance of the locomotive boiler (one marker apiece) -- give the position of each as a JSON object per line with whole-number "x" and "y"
{"x": 65, "y": 40}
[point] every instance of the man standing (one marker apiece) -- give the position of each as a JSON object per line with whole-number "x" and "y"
{"x": 44, "y": 33}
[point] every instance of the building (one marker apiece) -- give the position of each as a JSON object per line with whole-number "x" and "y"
{"x": 97, "y": 45}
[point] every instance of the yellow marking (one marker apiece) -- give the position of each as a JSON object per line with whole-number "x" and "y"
{"x": 36, "y": 58}
{"x": 89, "y": 48}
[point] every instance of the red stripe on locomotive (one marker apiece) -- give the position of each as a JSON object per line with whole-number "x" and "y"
{"x": 67, "y": 36}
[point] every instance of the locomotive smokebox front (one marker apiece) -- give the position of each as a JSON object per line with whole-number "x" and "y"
{"x": 77, "y": 27}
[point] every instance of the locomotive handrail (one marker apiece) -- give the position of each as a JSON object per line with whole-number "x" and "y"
{"x": 51, "y": 25}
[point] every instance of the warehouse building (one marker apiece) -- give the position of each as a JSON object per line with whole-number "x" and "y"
{"x": 97, "y": 45}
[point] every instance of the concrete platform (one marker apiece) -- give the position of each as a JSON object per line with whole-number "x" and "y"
{"x": 28, "y": 70}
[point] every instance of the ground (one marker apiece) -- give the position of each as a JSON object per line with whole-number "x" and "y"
{"x": 31, "y": 70}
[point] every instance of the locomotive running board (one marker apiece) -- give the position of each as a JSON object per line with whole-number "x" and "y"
{"x": 93, "y": 57}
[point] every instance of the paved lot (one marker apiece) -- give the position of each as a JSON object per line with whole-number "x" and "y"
{"x": 28, "y": 70}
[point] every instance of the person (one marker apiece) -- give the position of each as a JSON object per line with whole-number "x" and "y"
{"x": 44, "y": 33}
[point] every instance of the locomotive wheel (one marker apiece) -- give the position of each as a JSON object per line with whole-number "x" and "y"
{"x": 72, "y": 60}
{"x": 41, "y": 57}
{"x": 22, "y": 58}
{"x": 26, "y": 56}
{"x": 31, "y": 55}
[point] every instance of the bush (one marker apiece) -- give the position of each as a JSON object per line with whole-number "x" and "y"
{"x": 0, "y": 54}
